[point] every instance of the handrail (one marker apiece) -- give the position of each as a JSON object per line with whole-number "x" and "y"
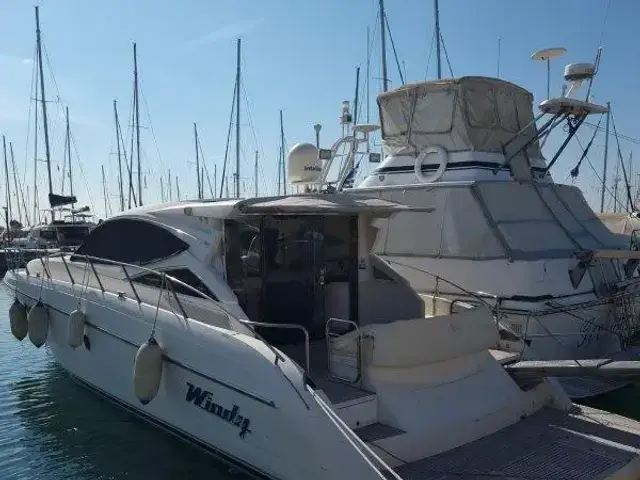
{"x": 291, "y": 326}
{"x": 197, "y": 292}
{"x": 329, "y": 335}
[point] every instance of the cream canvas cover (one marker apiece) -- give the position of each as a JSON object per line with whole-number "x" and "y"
{"x": 468, "y": 113}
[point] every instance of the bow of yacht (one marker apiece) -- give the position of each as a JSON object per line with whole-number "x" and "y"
{"x": 266, "y": 332}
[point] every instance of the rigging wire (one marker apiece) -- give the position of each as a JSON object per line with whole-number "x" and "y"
{"x": 226, "y": 150}
{"x": 446, "y": 54}
{"x": 73, "y": 142}
{"x": 433, "y": 41}
{"x": 257, "y": 142}
{"x": 595, "y": 172}
{"x": 621, "y": 160}
{"x": 393, "y": 48}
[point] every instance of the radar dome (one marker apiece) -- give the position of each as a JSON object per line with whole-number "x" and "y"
{"x": 304, "y": 164}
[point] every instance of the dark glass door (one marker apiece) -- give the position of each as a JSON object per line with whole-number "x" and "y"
{"x": 293, "y": 275}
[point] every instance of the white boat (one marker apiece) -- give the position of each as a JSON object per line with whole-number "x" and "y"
{"x": 254, "y": 329}
{"x": 501, "y": 229}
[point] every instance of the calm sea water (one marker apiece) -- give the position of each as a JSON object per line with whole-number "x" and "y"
{"x": 51, "y": 428}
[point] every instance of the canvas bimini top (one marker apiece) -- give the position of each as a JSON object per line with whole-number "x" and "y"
{"x": 458, "y": 114}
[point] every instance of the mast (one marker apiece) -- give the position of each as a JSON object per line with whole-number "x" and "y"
{"x": 68, "y": 153}
{"x": 630, "y": 206}
{"x": 282, "y": 167}
{"x": 6, "y": 177}
{"x": 437, "y": 15}
{"x": 355, "y": 102}
{"x": 170, "y": 187}
{"x": 120, "y": 187}
{"x": 215, "y": 178}
{"x": 195, "y": 135}
{"x": 43, "y": 99}
{"x": 606, "y": 155}
{"x": 137, "y": 119}
{"x": 255, "y": 176}
{"x": 104, "y": 192}
{"x": 15, "y": 183}
{"x": 383, "y": 42}
{"x": 177, "y": 189}
{"x": 35, "y": 160}
{"x": 238, "y": 122}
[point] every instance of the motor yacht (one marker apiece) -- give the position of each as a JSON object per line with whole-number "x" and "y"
{"x": 269, "y": 332}
{"x": 502, "y": 229}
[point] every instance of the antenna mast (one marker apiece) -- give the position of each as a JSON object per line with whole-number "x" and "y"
{"x": 44, "y": 105}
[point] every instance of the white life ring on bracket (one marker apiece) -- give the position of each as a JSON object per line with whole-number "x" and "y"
{"x": 435, "y": 176}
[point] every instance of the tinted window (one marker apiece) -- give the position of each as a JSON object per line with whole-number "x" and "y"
{"x": 131, "y": 241}
{"x": 182, "y": 274}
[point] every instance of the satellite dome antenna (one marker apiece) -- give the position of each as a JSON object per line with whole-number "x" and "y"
{"x": 547, "y": 54}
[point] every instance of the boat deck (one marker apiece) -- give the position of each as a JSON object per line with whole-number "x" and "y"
{"x": 586, "y": 444}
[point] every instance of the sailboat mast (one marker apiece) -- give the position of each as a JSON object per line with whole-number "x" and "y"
{"x": 120, "y": 186}
{"x": 437, "y": 14}
{"x": 6, "y": 177}
{"x": 35, "y": 159}
{"x": 195, "y": 136}
{"x": 43, "y": 99}
{"x": 137, "y": 119}
{"x": 383, "y": 43}
{"x": 68, "y": 153}
{"x": 104, "y": 193}
{"x": 238, "y": 120}
{"x": 606, "y": 156}
{"x": 255, "y": 176}
{"x": 282, "y": 167}
{"x": 19, "y": 194}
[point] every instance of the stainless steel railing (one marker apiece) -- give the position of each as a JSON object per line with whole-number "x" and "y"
{"x": 169, "y": 281}
{"x": 330, "y": 337}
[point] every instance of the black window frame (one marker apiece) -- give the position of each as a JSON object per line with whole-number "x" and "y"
{"x": 122, "y": 247}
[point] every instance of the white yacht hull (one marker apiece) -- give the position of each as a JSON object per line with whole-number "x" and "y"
{"x": 204, "y": 398}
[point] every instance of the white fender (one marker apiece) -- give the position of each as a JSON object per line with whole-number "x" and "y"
{"x": 434, "y": 177}
{"x": 147, "y": 371}
{"x": 75, "y": 335}
{"x": 38, "y": 324}
{"x": 18, "y": 320}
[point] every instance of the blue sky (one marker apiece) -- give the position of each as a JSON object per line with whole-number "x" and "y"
{"x": 298, "y": 56}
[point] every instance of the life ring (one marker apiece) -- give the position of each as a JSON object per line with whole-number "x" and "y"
{"x": 444, "y": 160}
